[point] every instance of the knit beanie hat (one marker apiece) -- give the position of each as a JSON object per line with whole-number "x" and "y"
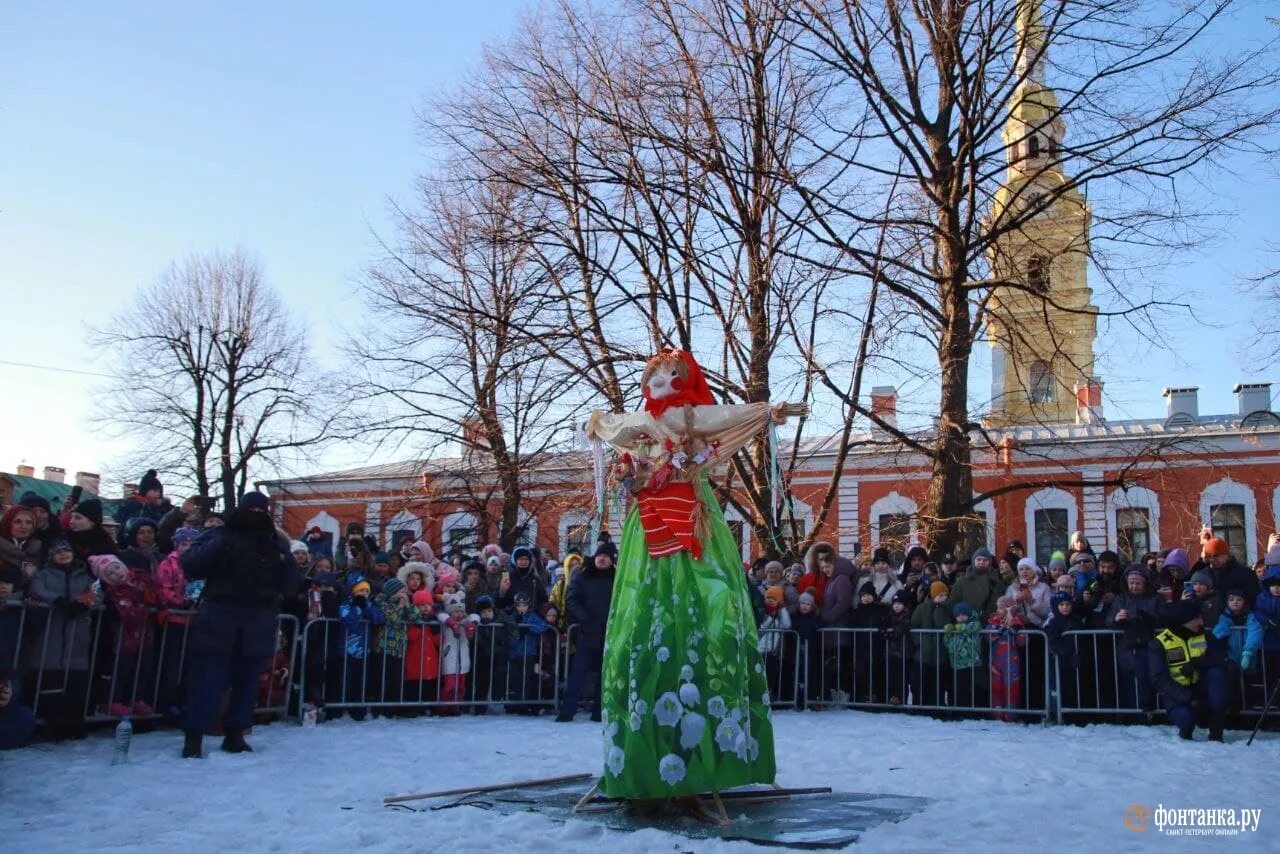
{"x": 1216, "y": 547}
{"x": 807, "y": 597}
{"x": 61, "y": 544}
{"x": 298, "y": 546}
{"x": 1058, "y": 598}
{"x": 361, "y": 588}
{"x": 1109, "y": 557}
{"x": 483, "y": 602}
{"x": 149, "y": 481}
{"x": 456, "y": 603}
{"x": 1136, "y": 569}
{"x": 186, "y": 535}
{"x": 382, "y": 557}
{"x": 867, "y": 589}
{"x": 1083, "y": 555}
{"x": 906, "y": 597}
{"x": 391, "y": 587}
{"x": 982, "y": 551}
{"x": 962, "y": 609}
{"x": 1202, "y": 576}
{"x": 91, "y": 509}
{"x": 1029, "y": 563}
{"x": 1057, "y": 561}
{"x": 421, "y": 598}
{"x": 937, "y": 589}
{"x": 774, "y": 593}
{"x": 880, "y": 555}
{"x": 255, "y": 500}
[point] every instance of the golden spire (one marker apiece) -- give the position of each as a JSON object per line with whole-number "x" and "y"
{"x": 1031, "y": 42}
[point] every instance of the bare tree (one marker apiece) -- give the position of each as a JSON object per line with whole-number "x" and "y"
{"x": 656, "y": 143}
{"x": 1151, "y": 98}
{"x": 214, "y": 377}
{"x": 444, "y": 364}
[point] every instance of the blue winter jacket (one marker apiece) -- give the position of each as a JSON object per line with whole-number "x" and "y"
{"x": 524, "y": 642}
{"x": 1266, "y": 608}
{"x": 1238, "y": 642}
{"x": 359, "y": 621}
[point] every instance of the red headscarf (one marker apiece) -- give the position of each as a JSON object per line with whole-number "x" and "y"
{"x": 6, "y": 524}
{"x": 690, "y": 386}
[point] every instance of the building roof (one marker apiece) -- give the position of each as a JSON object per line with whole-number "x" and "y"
{"x": 52, "y": 491}
{"x": 868, "y": 444}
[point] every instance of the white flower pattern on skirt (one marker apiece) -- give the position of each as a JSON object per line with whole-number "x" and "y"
{"x": 692, "y": 726}
{"x": 668, "y": 709}
{"x": 689, "y": 694}
{"x": 671, "y": 769}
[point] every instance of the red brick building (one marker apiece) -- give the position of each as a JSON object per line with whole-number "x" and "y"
{"x": 1187, "y": 470}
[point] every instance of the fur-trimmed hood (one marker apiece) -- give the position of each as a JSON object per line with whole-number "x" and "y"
{"x": 417, "y": 566}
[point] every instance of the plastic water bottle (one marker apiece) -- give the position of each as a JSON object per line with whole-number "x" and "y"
{"x": 124, "y": 734}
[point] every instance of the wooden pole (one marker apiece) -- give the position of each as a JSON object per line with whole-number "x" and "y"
{"x": 545, "y": 781}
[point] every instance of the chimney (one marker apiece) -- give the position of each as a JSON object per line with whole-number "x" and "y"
{"x": 1184, "y": 407}
{"x": 884, "y": 403}
{"x": 1089, "y": 401}
{"x": 55, "y": 474}
{"x": 88, "y": 481}
{"x": 130, "y": 489}
{"x": 25, "y": 470}
{"x": 1253, "y": 397}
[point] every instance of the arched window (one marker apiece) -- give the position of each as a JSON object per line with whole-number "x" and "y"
{"x": 1033, "y": 146}
{"x": 1041, "y": 386}
{"x": 1038, "y": 273}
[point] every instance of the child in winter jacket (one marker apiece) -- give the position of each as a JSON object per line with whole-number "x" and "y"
{"x": 1266, "y": 607}
{"x": 490, "y": 660}
{"x": 931, "y": 672}
{"x": 360, "y": 617}
{"x": 324, "y": 635}
{"x": 523, "y": 648}
{"x": 456, "y": 633}
{"x": 962, "y": 638}
{"x": 171, "y": 590}
{"x": 868, "y": 646}
{"x": 774, "y": 638}
{"x": 1242, "y": 633}
{"x": 126, "y": 588}
{"x": 63, "y": 649}
{"x": 1006, "y": 657}
{"x": 398, "y": 612}
{"x": 897, "y": 635}
{"x": 422, "y": 652}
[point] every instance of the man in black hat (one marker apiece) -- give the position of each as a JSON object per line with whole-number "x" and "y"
{"x": 247, "y": 571}
{"x": 148, "y": 502}
{"x": 1187, "y": 669}
{"x": 588, "y": 600}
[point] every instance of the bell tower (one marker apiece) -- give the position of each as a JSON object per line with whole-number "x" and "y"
{"x": 1042, "y": 324}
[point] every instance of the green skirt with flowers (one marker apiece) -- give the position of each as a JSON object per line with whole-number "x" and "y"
{"x": 685, "y": 701}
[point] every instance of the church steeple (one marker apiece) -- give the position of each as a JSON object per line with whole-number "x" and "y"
{"x": 1042, "y": 325}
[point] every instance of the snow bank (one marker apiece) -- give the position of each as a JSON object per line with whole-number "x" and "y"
{"x": 998, "y": 787}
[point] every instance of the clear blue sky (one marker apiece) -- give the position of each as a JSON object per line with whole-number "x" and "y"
{"x": 134, "y": 133}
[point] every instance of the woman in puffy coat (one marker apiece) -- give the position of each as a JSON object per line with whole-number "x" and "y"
{"x": 1030, "y": 595}
{"x": 63, "y": 648}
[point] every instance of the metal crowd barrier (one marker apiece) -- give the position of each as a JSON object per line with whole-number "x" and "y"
{"x": 876, "y": 668}
{"x": 98, "y": 667}
{"x": 1109, "y": 679}
{"x": 350, "y": 669}
{"x": 784, "y": 660}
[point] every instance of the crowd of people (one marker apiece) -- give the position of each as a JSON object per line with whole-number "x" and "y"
{"x": 205, "y": 620}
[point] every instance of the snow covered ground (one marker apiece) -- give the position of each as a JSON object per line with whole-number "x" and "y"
{"x": 998, "y": 787}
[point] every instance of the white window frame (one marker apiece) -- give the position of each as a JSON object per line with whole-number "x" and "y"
{"x": 572, "y": 519}
{"x": 1049, "y": 498}
{"x": 1228, "y": 491}
{"x": 1134, "y": 498}
{"x": 402, "y": 521}
{"x": 894, "y": 502}
{"x": 459, "y": 519}
{"x": 988, "y": 506}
